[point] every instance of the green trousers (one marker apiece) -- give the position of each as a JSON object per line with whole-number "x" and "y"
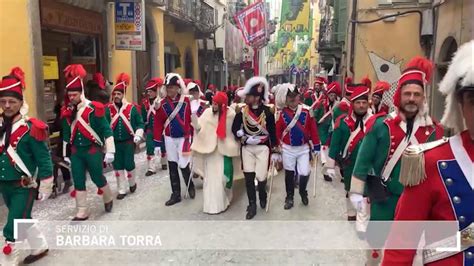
{"x": 90, "y": 159}
{"x": 124, "y": 155}
{"x": 228, "y": 171}
{"x": 384, "y": 211}
{"x": 19, "y": 201}
{"x": 150, "y": 144}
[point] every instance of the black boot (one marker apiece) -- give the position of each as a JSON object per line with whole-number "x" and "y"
{"x": 303, "y": 192}
{"x": 288, "y": 203}
{"x": 133, "y": 188}
{"x": 108, "y": 206}
{"x": 33, "y": 258}
{"x": 251, "y": 194}
{"x": 186, "y": 175}
{"x": 251, "y": 210}
{"x": 290, "y": 189}
{"x": 262, "y": 193}
{"x": 67, "y": 186}
{"x": 164, "y": 167}
{"x": 327, "y": 178}
{"x": 175, "y": 198}
{"x": 175, "y": 184}
{"x": 149, "y": 173}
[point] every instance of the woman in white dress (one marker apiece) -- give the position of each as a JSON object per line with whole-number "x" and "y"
{"x": 216, "y": 146}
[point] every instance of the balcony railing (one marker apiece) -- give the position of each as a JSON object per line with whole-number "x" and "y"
{"x": 195, "y": 12}
{"x": 206, "y": 21}
{"x": 328, "y": 35}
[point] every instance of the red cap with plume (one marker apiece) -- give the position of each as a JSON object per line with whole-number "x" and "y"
{"x": 381, "y": 87}
{"x": 221, "y": 99}
{"x": 418, "y": 71}
{"x": 122, "y": 82}
{"x": 360, "y": 92}
{"x": 74, "y": 75}
{"x": 334, "y": 87}
{"x": 13, "y": 84}
{"x": 198, "y": 82}
{"x": 187, "y": 81}
{"x": 211, "y": 87}
{"x": 99, "y": 79}
{"x": 362, "y": 89}
{"x": 348, "y": 86}
{"x": 321, "y": 80}
{"x": 153, "y": 84}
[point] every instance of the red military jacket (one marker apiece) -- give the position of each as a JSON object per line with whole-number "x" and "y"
{"x": 301, "y": 133}
{"x": 179, "y": 126}
{"x": 446, "y": 194}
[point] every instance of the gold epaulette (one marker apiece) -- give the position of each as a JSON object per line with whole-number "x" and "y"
{"x": 272, "y": 107}
{"x": 412, "y": 170}
{"x": 238, "y": 108}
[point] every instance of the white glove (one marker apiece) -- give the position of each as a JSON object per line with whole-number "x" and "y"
{"x": 253, "y": 140}
{"x": 157, "y": 151}
{"x": 45, "y": 188}
{"x": 240, "y": 133}
{"x": 67, "y": 160}
{"x": 109, "y": 157}
{"x": 331, "y": 172}
{"x": 137, "y": 139}
{"x": 276, "y": 157}
{"x": 356, "y": 200}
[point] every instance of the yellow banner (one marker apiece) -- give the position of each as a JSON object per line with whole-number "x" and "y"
{"x": 124, "y": 27}
{"x": 50, "y": 67}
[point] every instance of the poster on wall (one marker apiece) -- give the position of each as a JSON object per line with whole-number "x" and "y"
{"x": 83, "y": 49}
{"x": 130, "y": 25}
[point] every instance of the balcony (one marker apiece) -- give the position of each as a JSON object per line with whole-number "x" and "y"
{"x": 206, "y": 21}
{"x": 192, "y": 13}
{"x": 328, "y": 41}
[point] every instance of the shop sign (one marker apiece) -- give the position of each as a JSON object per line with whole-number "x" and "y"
{"x": 50, "y": 67}
{"x": 130, "y": 25}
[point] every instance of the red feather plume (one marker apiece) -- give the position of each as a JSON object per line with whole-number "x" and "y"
{"x": 123, "y": 77}
{"x": 382, "y": 85}
{"x": 422, "y": 64}
{"x": 367, "y": 82}
{"x": 18, "y": 73}
{"x": 198, "y": 82}
{"x": 348, "y": 80}
{"x": 75, "y": 70}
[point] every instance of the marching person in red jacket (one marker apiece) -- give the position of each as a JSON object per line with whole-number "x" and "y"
{"x": 439, "y": 176}
{"x": 377, "y": 105}
{"x": 173, "y": 118}
{"x": 296, "y": 130}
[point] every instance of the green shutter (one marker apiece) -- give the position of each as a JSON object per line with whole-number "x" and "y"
{"x": 341, "y": 19}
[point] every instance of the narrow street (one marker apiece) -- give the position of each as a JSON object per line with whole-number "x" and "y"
{"x": 148, "y": 204}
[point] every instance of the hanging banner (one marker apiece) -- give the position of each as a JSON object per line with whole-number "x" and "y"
{"x": 252, "y": 21}
{"x": 130, "y": 25}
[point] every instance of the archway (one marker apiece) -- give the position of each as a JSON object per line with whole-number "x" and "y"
{"x": 448, "y": 48}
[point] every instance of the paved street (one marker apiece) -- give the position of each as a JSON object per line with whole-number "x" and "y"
{"x": 148, "y": 204}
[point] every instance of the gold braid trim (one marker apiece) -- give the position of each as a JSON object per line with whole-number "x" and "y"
{"x": 412, "y": 170}
{"x": 252, "y": 130}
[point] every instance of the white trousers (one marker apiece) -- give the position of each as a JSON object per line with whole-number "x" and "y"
{"x": 324, "y": 154}
{"x": 255, "y": 159}
{"x": 296, "y": 157}
{"x": 363, "y": 216}
{"x": 174, "y": 151}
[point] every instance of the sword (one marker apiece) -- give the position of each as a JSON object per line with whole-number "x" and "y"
{"x": 315, "y": 175}
{"x": 272, "y": 169}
